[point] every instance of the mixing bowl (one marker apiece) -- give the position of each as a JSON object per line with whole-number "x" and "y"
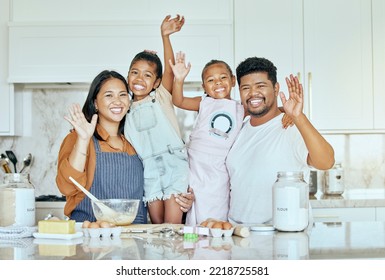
{"x": 124, "y": 211}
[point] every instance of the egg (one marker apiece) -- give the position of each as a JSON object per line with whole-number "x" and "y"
{"x": 217, "y": 225}
{"x": 94, "y": 225}
{"x": 210, "y": 224}
{"x": 227, "y": 225}
{"x": 103, "y": 224}
{"x": 86, "y": 224}
{"x": 204, "y": 223}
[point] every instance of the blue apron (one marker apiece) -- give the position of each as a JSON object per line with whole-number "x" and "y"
{"x": 117, "y": 175}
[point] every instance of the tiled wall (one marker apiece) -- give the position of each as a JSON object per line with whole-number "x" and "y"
{"x": 362, "y": 156}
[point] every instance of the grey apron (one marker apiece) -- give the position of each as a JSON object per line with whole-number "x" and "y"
{"x": 117, "y": 175}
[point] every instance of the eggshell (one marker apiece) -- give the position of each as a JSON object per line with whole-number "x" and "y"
{"x": 227, "y": 225}
{"x": 217, "y": 225}
{"x": 94, "y": 225}
{"x": 210, "y": 224}
{"x": 104, "y": 224}
{"x": 204, "y": 223}
{"x": 86, "y": 224}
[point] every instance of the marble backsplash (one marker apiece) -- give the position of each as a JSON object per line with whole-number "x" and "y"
{"x": 362, "y": 156}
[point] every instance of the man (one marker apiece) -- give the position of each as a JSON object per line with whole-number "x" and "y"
{"x": 264, "y": 147}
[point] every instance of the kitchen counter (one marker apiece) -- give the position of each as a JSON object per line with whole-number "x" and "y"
{"x": 350, "y": 199}
{"x": 351, "y": 240}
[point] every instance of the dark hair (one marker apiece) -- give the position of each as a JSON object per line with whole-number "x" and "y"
{"x": 215, "y": 61}
{"x": 257, "y": 64}
{"x": 150, "y": 57}
{"x": 89, "y": 105}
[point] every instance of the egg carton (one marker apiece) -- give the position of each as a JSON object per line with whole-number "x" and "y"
{"x": 214, "y": 232}
{"x": 217, "y": 232}
{"x": 102, "y": 232}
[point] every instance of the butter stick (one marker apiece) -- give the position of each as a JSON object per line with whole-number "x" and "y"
{"x": 241, "y": 231}
{"x": 57, "y": 227}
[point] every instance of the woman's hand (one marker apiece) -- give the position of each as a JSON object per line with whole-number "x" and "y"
{"x": 76, "y": 118}
{"x": 185, "y": 200}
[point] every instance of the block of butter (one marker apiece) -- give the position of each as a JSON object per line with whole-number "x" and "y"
{"x": 57, "y": 250}
{"x": 58, "y": 227}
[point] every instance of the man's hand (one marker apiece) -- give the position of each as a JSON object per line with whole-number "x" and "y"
{"x": 294, "y": 105}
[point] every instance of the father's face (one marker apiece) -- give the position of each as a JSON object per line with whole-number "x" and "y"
{"x": 258, "y": 95}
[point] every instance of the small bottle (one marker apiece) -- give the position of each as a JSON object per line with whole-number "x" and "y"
{"x": 17, "y": 201}
{"x": 290, "y": 202}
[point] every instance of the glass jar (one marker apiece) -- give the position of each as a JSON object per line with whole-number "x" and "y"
{"x": 17, "y": 201}
{"x": 290, "y": 201}
{"x": 334, "y": 180}
{"x": 291, "y": 246}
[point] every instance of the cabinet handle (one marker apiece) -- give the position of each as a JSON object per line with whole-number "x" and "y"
{"x": 309, "y": 82}
{"x": 299, "y": 76}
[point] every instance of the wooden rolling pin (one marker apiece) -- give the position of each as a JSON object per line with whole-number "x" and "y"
{"x": 241, "y": 231}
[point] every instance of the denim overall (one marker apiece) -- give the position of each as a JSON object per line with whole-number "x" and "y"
{"x": 117, "y": 175}
{"x": 162, "y": 151}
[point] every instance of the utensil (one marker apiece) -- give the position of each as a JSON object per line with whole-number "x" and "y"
{"x": 26, "y": 162}
{"x": 4, "y": 164}
{"x": 107, "y": 211}
{"x": 12, "y": 158}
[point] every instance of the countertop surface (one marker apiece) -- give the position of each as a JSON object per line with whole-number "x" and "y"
{"x": 350, "y": 198}
{"x": 353, "y": 240}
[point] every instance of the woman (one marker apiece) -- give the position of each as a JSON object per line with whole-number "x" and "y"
{"x": 96, "y": 153}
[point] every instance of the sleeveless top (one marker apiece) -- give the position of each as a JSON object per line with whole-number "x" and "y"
{"x": 117, "y": 175}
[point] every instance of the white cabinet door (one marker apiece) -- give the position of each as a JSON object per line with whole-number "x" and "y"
{"x": 328, "y": 42}
{"x": 270, "y": 29}
{"x": 5, "y": 96}
{"x": 338, "y": 63}
{"x": 378, "y": 8}
{"x": 380, "y": 214}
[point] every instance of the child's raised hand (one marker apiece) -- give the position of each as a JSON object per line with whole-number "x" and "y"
{"x": 180, "y": 68}
{"x": 294, "y": 105}
{"x": 171, "y": 25}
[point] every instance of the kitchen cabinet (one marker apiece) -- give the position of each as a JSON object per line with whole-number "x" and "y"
{"x": 5, "y": 94}
{"x": 349, "y": 214}
{"x": 380, "y": 213}
{"x": 329, "y": 44}
{"x": 52, "y": 45}
{"x": 378, "y": 10}
{"x": 344, "y": 214}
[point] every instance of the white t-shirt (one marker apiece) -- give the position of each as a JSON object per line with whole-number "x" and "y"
{"x": 253, "y": 162}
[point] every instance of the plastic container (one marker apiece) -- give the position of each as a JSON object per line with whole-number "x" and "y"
{"x": 17, "y": 201}
{"x": 290, "y": 202}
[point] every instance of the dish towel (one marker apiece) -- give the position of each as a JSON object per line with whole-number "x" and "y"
{"x": 16, "y": 232}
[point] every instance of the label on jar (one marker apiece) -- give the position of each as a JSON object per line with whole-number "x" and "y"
{"x": 287, "y": 214}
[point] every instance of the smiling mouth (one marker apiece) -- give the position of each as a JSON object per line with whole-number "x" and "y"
{"x": 138, "y": 87}
{"x": 220, "y": 90}
{"x": 255, "y": 102}
{"x": 117, "y": 110}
